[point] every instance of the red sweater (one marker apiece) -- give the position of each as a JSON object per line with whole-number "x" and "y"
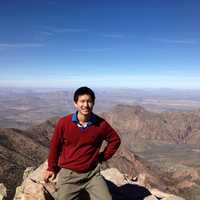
{"x": 78, "y": 149}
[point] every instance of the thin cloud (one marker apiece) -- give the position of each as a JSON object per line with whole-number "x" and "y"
{"x": 172, "y": 41}
{"x": 48, "y": 33}
{"x": 20, "y": 45}
{"x": 91, "y": 50}
{"x": 71, "y": 30}
{"x": 65, "y": 30}
{"x": 113, "y": 36}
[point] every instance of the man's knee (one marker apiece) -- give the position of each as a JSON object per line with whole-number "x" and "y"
{"x": 98, "y": 189}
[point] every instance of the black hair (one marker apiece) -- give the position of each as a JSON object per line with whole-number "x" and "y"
{"x": 84, "y": 90}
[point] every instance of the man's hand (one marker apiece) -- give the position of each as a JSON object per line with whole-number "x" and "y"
{"x": 48, "y": 175}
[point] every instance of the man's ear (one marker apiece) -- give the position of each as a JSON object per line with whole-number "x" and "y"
{"x": 75, "y": 104}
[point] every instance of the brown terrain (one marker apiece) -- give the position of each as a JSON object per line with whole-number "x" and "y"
{"x": 20, "y": 149}
{"x": 25, "y": 107}
{"x": 169, "y": 141}
{"x": 169, "y": 127}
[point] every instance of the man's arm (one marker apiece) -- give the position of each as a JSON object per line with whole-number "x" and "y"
{"x": 54, "y": 152}
{"x": 113, "y": 142}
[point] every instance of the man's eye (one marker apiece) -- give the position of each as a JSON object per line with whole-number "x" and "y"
{"x": 88, "y": 102}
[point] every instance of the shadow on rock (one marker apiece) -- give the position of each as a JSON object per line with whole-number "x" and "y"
{"x": 125, "y": 192}
{"x": 128, "y": 191}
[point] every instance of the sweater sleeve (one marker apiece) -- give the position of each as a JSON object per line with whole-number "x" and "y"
{"x": 55, "y": 147}
{"x": 113, "y": 142}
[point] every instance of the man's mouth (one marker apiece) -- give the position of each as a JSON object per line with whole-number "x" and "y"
{"x": 85, "y": 110}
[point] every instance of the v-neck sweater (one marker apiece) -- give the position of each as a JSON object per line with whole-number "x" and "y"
{"x": 78, "y": 149}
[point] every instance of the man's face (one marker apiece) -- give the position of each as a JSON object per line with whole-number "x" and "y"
{"x": 84, "y": 104}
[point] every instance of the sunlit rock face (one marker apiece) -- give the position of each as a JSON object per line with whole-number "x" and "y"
{"x": 3, "y": 193}
{"x": 121, "y": 187}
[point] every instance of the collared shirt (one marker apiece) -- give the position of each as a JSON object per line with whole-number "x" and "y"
{"x": 90, "y": 122}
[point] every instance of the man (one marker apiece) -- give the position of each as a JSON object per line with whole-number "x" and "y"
{"x": 75, "y": 148}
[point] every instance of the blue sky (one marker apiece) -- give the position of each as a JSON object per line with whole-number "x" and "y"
{"x": 134, "y": 44}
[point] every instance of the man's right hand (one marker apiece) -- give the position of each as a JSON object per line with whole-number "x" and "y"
{"x": 48, "y": 175}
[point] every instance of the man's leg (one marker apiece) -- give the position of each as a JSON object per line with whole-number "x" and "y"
{"x": 67, "y": 187}
{"x": 68, "y": 192}
{"x": 98, "y": 189}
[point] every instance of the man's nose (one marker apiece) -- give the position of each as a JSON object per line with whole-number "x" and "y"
{"x": 85, "y": 103}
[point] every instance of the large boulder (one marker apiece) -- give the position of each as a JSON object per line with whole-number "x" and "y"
{"x": 121, "y": 187}
{"x": 3, "y": 193}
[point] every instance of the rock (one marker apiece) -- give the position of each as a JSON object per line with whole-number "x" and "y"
{"x": 142, "y": 180}
{"x": 159, "y": 193}
{"x": 150, "y": 197}
{"x": 164, "y": 196}
{"x": 30, "y": 191}
{"x": 34, "y": 188}
{"x": 173, "y": 197}
{"x": 3, "y": 193}
{"x": 112, "y": 174}
{"x": 27, "y": 172}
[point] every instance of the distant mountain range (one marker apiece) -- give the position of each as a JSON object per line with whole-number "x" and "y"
{"x": 25, "y": 107}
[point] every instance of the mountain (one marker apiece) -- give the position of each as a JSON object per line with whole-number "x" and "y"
{"x": 42, "y": 132}
{"x": 170, "y": 127}
{"x": 20, "y": 149}
{"x": 169, "y": 140}
{"x": 17, "y": 151}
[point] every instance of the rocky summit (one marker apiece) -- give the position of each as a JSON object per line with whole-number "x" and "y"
{"x": 121, "y": 187}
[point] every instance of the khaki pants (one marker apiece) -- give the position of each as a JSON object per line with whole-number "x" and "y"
{"x": 71, "y": 183}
